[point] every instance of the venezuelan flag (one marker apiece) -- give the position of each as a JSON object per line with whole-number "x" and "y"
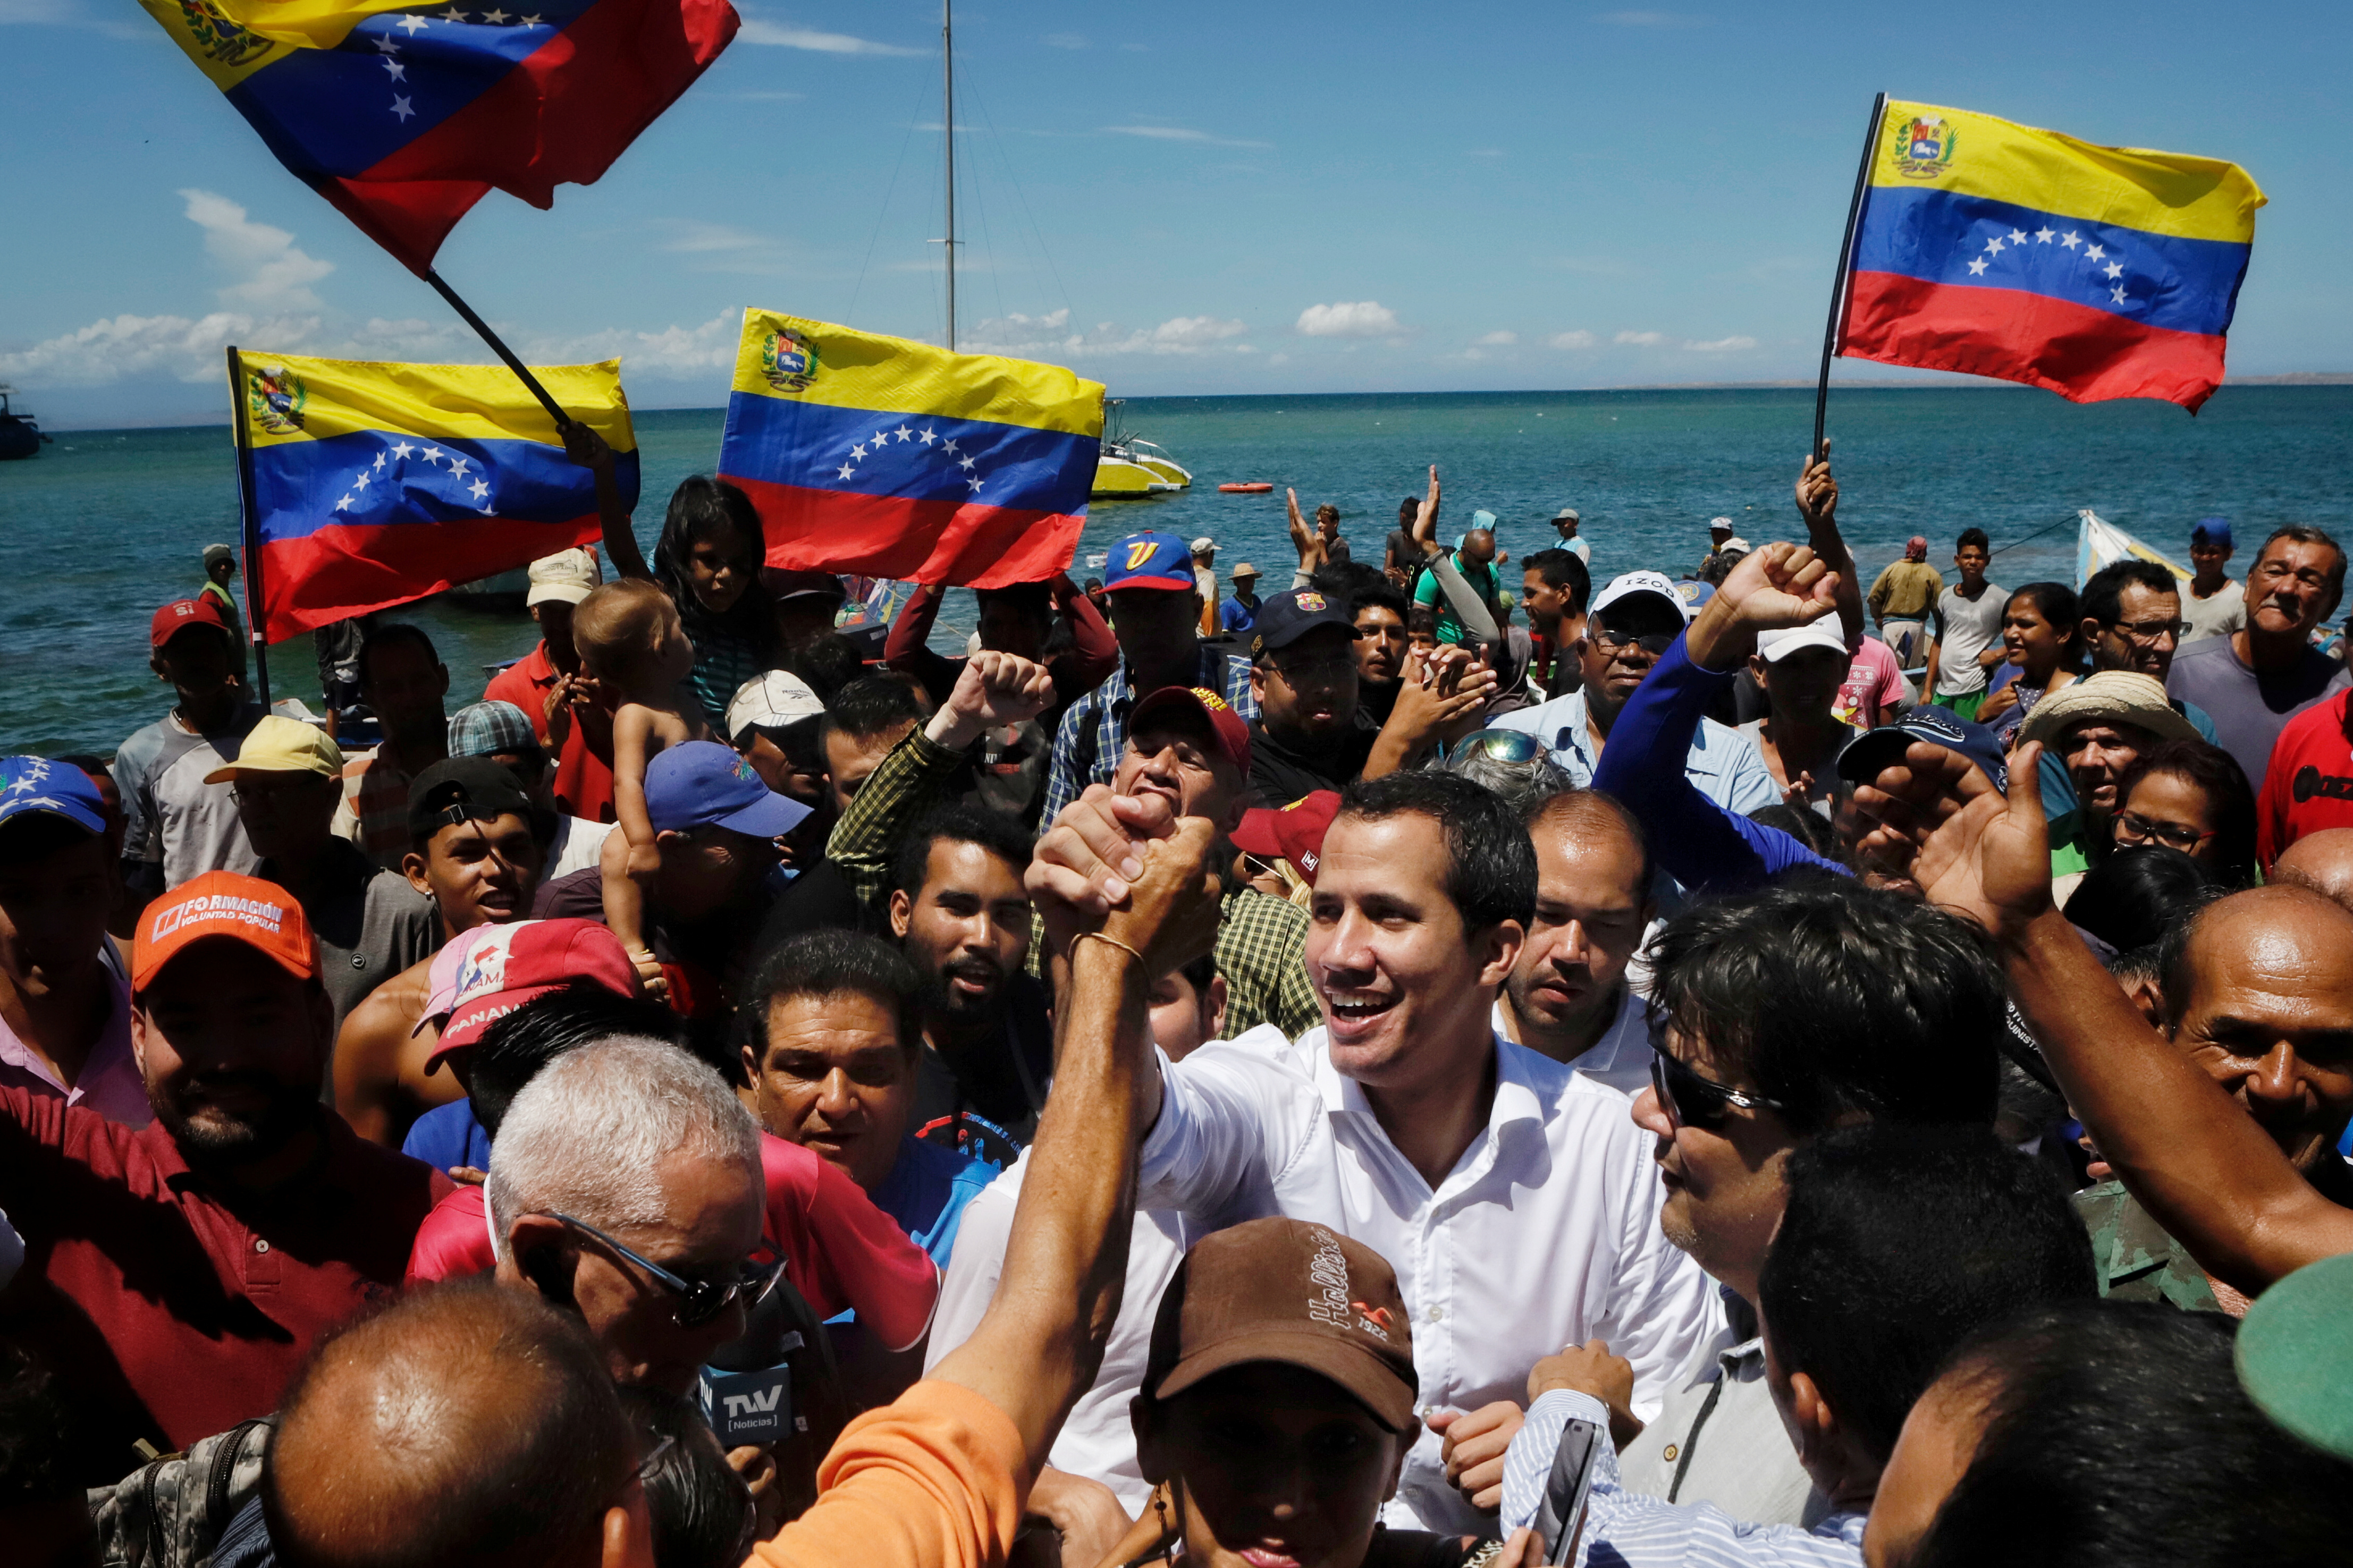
{"x": 2001, "y": 250}
{"x": 404, "y": 115}
{"x": 377, "y": 484}
{"x": 898, "y": 460}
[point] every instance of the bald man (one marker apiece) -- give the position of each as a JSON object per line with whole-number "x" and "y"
{"x": 2257, "y": 991}
{"x": 468, "y": 1424}
{"x": 2321, "y": 861}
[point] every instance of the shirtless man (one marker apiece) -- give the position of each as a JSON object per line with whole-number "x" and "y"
{"x": 478, "y": 850}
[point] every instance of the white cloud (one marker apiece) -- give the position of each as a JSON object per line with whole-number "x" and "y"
{"x": 1196, "y": 330}
{"x": 1649, "y": 19}
{"x": 784, "y": 36}
{"x": 1497, "y": 340}
{"x": 1180, "y": 134}
{"x": 143, "y": 347}
{"x": 1642, "y": 339}
{"x": 1361, "y": 318}
{"x": 269, "y": 272}
{"x": 1580, "y": 338}
{"x": 1721, "y": 345}
{"x": 673, "y": 353}
{"x": 1066, "y": 42}
{"x": 1048, "y": 336}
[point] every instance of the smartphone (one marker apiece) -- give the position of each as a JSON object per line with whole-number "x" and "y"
{"x": 1561, "y": 1518}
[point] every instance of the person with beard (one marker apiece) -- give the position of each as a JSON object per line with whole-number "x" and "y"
{"x": 2252, "y": 682}
{"x": 1801, "y": 669}
{"x": 1555, "y": 585}
{"x": 403, "y": 681}
{"x": 1569, "y": 996}
{"x": 1307, "y": 735}
{"x": 178, "y": 1274}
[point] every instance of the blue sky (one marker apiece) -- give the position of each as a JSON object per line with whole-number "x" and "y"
{"x": 1207, "y": 199}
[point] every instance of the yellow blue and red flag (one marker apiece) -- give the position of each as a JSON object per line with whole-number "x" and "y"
{"x": 894, "y": 458}
{"x": 377, "y": 484}
{"x": 405, "y": 114}
{"x": 2002, "y": 250}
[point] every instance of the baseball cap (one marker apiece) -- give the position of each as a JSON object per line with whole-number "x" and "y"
{"x": 1203, "y": 544}
{"x": 281, "y": 745}
{"x": 2213, "y": 530}
{"x": 1630, "y": 583}
{"x": 1873, "y": 749}
{"x": 36, "y": 785}
{"x": 1484, "y": 519}
{"x": 1694, "y": 595}
{"x": 771, "y": 700}
{"x": 2295, "y": 1355}
{"x": 701, "y": 783}
{"x": 1736, "y": 544}
{"x": 566, "y": 577}
{"x": 2116, "y": 696}
{"x": 798, "y": 583}
{"x": 1566, "y": 514}
{"x": 1776, "y": 645}
{"x": 1722, "y": 523}
{"x": 1292, "y": 1292}
{"x": 483, "y": 975}
{"x": 180, "y": 614}
{"x": 463, "y": 789}
{"x": 490, "y": 728}
{"x": 262, "y": 915}
{"x": 1226, "y": 726}
{"x": 1293, "y": 833}
{"x": 1242, "y": 569}
{"x": 214, "y": 553}
{"x": 1283, "y": 618}
{"x": 1149, "y": 560}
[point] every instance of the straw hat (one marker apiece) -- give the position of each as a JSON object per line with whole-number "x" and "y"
{"x": 2115, "y": 697}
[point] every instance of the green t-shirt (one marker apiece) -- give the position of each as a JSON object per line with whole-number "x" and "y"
{"x": 1481, "y": 579}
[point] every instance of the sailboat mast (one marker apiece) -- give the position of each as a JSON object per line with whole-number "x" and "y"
{"x": 947, "y": 70}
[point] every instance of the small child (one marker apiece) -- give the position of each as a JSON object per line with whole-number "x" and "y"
{"x": 632, "y": 642}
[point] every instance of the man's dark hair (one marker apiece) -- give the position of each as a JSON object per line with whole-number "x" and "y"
{"x": 1975, "y": 536}
{"x": 1896, "y": 1244}
{"x": 2133, "y": 897}
{"x": 2102, "y": 598}
{"x": 702, "y": 1510}
{"x": 1348, "y": 581}
{"x": 392, "y": 634}
{"x": 512, "y": 1050}
{"x": 2116, "y": 1435}
{"x": 830, "y": 665}
{"x": 870, "y": 706}
{"x": 1490, "y": 862}
{"x": 1808, "y": 826}
{"x": 831, "y": 964}
{"x": 1558, "y": 568}
{"x": 960, "y": 822}
{"x": 1836, "y": 997}
{"x": 2304, "y": 533}
{"x": 2224, "y": 782}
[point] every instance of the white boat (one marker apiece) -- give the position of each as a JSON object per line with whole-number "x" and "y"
{"x": 1132, "y": 467}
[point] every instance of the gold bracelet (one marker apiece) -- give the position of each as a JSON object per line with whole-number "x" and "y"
{"x": 1109, "y": 941}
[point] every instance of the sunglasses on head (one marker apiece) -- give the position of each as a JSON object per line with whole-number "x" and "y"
{"x": 1691, "y": 1101}
{"x": 700, "y": 1301}
{"x": 1500, "y": 745}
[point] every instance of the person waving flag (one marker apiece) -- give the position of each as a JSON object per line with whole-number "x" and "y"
{"x": 404, "y": 115}
{"x": 2001, "y": 250}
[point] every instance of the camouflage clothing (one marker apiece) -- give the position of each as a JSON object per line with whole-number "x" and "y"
{"x": 2137, "y": 1259}
{"x": 170, "y": 1513}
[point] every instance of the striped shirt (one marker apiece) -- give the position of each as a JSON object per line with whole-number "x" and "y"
{"x": 1093, "y": 731}
{"x": 1637, "y": 1531}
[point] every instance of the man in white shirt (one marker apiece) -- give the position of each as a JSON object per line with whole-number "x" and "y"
{"x": 1569, "y": 996}
{"x": 1510, "y": 1193}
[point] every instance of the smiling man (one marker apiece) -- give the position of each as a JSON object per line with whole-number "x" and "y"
{"x": 2254, "y": 680}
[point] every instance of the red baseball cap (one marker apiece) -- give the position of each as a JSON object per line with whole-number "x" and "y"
{"x": 1226, "y": 726}
{"x": 1293, "y": 833}
{"x": 485, "y": 973}
{"x": 262, "y": 915}
{"x": 180, "y": 614}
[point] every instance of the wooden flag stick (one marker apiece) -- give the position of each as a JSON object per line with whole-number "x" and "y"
{"x": 1845, "y": 263}
{"x": 499, "y": 348}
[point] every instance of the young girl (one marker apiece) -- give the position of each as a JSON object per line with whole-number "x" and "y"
{"x": 632, "y": 642}
{"x": 2043, "y": 633}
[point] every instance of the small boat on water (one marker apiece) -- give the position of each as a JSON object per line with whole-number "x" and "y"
{"x": 1254, "y": 488}
{"x": 19, "y": 436}
{"x": 1132, "y": 467}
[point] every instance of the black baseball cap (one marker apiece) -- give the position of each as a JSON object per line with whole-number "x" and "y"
{"x": 463, "y": 789}
{"x": 1283, "y": 618}
{"x": 1884, "y": 747}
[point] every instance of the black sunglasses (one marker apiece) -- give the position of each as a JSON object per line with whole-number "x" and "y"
{"x": 1655, "y": 644}
{"x": 1691, "y": 1101}
{"x": 1500, "y": 745}
{"x": 700, "y": 1301}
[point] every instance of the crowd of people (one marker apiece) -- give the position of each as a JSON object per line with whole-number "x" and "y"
{"x": 1261, "y": 1078}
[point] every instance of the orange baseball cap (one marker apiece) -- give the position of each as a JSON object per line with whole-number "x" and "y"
{"x": 262, "y": 915}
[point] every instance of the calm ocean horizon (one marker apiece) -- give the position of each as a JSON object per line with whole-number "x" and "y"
{"x": 106, "y": 525}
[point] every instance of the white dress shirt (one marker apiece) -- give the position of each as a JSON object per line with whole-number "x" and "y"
{"x": 1620, "y": 1059}
{"x": 1544, "y": 1234}
{"x": 1724, "y": 764}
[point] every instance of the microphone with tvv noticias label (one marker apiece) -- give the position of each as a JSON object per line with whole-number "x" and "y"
{"x": 746, "y": 1387}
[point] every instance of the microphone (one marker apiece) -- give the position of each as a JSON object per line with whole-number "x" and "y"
{"x": 746, "y": 1387}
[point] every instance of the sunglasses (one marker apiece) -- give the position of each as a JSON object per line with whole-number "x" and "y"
{"x": 700, "y": 1301}
{"x": 1691, "y": 1101}
{"x": 1500, "y": 745}
{"x": 1655, "y": 644}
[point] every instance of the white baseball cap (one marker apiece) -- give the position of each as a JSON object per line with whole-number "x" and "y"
{"x": 566, "y": 577}
{"x": 1736, "y": 544}
{"x": 1204, "y": 545}
{"x": 1722, "y": 523}
{"x": 1775, "y": 647}
{"x": 1634, "y": 582}
{"x": 771, "y": 700}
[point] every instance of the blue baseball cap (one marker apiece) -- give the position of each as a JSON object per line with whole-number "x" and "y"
{"x": 2214, "y": 531}
{"x": 1884, "y": 747}
{"x": 1149, "y": 560}
{"x": 30, "y": 784}
{"x": 701, "y": 783}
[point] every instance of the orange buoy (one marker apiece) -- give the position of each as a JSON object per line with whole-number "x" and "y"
{"x": 1255, "y": 488}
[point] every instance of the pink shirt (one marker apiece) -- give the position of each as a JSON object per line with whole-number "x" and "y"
{"x": 110, "y": 1083}
{"x": 1874, "y": 677}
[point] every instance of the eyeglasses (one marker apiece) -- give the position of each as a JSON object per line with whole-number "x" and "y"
{"x": 1691, "y": 1101}
{"x": 1498, "y": 745}
{"x": 2149, "y": 634}
{"x": 700, "y": 1301}
{"x": 2132, "y": 827}
{"x": 1655, "y": 644}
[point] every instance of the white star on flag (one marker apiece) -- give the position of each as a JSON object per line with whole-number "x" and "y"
{"x": 925, "y": 436}
{"x": 432, "y": 455}
{"x": 361, "y": 483}
{"x": 528, "y": 22}
{"x": 495, "y": 18}
{"x": 2017, "y": 237}
{"x": 479, "y": 488}
{"x": 399, "y": 72}
{"x": 2116, "y": 294}
{"x": 2093, "y": 253}
{"x": 402, "y": 449}
{"x": 2115, "y": 271}
{"x": 386, "y": 46}
{"x": 2070, "y": 240}
{"x": 947, "y": 446}
{"x": 457, "y": 467}
{"x": 966, "y": 463}
{"x": 2044, "y": 236}
{"x": 379, "y": 462}
{"x": 412, "y": 25}
{"x": 400, "y": 108}
{"x": 344, "y": 504}
{"x": 1994, "y": 245}
{"x": 844, "y": 472}
{"x": 974, "y": 483}
{"x": 903, "y": 433}
{"x": 1977, "y": 268}
{"x": 858, "y": 452}
{"x": 453, "y": 15}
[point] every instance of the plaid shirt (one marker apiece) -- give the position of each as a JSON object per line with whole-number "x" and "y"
{"x": 1093, "y": 730}
{"x": 1261, "y": 941}
{"x": 374, "y": 811}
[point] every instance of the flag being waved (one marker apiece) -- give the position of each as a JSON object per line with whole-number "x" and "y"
{"x": 2001, "y": 250}
{"x": 377, "y": 484}
{"x": 404, "y": 115}
{"x": 876, "y": 454}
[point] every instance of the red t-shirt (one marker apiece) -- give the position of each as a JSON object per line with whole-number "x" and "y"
{"x": 2309, "y": 785}
{"x": 584, "y": 763}
{"x": 840, "y": 1251}
{"x": 172, "y": 1307}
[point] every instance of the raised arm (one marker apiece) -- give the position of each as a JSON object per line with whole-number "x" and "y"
{"x": 908, "y": 645}
{"x": 1093, "y": 652}
{"x": 587, "y": 448}
{"x": 1818, "y": 497}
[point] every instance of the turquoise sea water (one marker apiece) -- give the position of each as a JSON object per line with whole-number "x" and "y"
{"x": 106, "y": 525}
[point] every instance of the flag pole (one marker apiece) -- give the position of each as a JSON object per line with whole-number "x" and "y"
{"x": 1845, "y": 262}
{"x": 256, "y": 607}
{"x": 499, "y": 348}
